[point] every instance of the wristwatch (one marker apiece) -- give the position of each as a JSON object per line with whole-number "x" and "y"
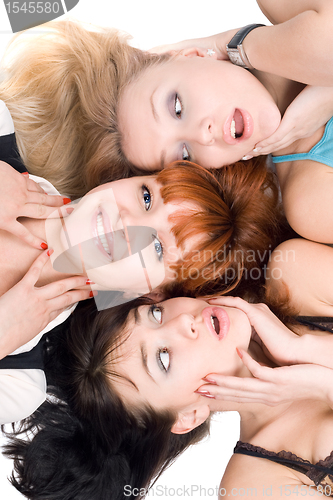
{"x": 235, "y": 48}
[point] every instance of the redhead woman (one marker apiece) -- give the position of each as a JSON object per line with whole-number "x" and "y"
{"x": 145, "y": 378}
{"x": 144, "y": 233}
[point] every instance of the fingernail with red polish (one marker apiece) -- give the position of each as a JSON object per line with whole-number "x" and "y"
{"x": 66, "y": 200}
{"x": 25, "y": 173}
{"x": 209, "y": 380}
{"x": 44, "y": 246}
{"x": 93, "y": 293}
{"x": 240, "y": 354}
{"x": 50, "y": 252}
{"x": 90, "y": 282}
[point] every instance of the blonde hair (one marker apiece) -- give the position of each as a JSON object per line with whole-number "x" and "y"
{"x": 62, "y": 87}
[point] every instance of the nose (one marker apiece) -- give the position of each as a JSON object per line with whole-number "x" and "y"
{"x": 132, "y": 234}
{"x": 184, "y": 325}
{"x": 205, "y": 133}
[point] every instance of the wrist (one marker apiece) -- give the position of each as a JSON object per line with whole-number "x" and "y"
{"x": 306, "y": 349}
{"x": 219, "y": 43}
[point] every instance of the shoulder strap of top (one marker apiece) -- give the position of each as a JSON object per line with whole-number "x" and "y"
{"x": 293, "y": 157}
{"x": 322, "y": 152}
{"x": 26, "y": 360}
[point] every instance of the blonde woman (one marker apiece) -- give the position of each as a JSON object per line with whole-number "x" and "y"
{"x": 87, "y": 98}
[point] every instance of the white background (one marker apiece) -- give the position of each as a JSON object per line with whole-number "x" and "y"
{"x": 152, "y": 23}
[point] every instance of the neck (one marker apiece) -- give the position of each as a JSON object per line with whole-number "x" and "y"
{"x": 281, "y": 89}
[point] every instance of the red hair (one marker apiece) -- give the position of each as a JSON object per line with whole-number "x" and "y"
{"x": 237, "y": 215}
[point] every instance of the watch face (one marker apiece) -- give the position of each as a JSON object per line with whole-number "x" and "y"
{"x": 235, "y": 57}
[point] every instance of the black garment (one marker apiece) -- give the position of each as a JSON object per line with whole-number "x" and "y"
{"x": 32, "y": 359}
{"x": 320, "y": 473}
{"x": 35, "y": 358}
{"x": 9, "y": 152}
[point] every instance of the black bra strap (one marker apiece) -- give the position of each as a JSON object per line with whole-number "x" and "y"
{"x": 292, "y": 464}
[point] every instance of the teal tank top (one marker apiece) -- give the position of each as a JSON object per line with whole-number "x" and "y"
{"x": 321, "y": 152}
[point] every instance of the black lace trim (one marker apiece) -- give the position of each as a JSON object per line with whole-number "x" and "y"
{"x": 316, "y": 472}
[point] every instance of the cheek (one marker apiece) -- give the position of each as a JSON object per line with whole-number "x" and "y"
{"x": 125, "y": 275}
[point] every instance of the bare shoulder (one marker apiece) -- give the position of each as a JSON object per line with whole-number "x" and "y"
{"x": 283, "y": 10}
{"x": 257, "y": 478}
{"x": 306, "y": 188}
{"x": 305, "y": 267}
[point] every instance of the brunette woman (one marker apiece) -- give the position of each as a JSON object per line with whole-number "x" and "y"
{"x": 147, "y": 377}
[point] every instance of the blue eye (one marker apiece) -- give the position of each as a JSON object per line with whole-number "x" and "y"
{"x": 178, "y": 107}
{"x": 158, "y": 248}
{"x": 147, "y": 198}
{"x": 163, "y": 358}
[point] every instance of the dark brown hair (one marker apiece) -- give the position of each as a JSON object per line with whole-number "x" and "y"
{"x": 88, "y": 445}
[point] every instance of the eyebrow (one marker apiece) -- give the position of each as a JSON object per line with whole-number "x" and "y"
{"x": 162, "y": 159}
{"x": 137, "y": 316}
{"x": 157, "y": 119}
{"x": 144, "y": 360}
{"x": 155, "y": 115}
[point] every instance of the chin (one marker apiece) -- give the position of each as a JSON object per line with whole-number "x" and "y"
{"x": 270, "y": 123}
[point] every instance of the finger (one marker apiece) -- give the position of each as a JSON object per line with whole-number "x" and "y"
{"x": 67, "y": 299}
{"x": 58, "y": 288}
{"x": 256, "y": 313}
{"x": 38, "y": 211}
{"x": 276, "y": 146}
{"x": 24, "y": 234}
{"x": 250, "y": 391}
{"x": 281, "y": 145}
{"x": 45, "y": 199}
{"x": 282, "y": 137}
{"x": 264, "y": 373}
{"x": 229, "y": 301}
{"x": 32, "y": 185}
{"x": 227, "y": 383}
{"x": 34, "y": 272}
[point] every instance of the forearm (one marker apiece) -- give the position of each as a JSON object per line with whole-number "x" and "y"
{"x": 8, "y": 344}
{"x": 299, "y": 49}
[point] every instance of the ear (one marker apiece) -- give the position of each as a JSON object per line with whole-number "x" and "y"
{"x": 190, "y": 419}
{"x": 197, "y": 52}
{"x": 156, "y": 296}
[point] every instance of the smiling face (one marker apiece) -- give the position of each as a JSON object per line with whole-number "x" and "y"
{"x": 196, "y": 108}
{"x": 171, "y": 348}
{"x": 120, "y": 235}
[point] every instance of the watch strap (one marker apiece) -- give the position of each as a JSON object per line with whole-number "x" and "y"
{"x": 235, "y": 49}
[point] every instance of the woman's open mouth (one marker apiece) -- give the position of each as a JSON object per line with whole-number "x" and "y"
{"x": 238, "y": 127}
{"x": 103, "y": 235}
{"x": 215, "y": 324}
{"x": 217, "y": 321}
